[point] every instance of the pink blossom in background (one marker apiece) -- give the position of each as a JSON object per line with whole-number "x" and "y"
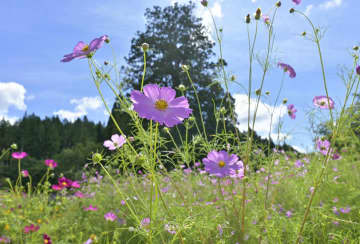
{"x": 47, "y": 239}
{"x": 323, "y": 102}
{"x": 83, "y": 50}
{"x": 4, "y": 239}
{"x": 110, "y": 216}
{"x": 323, "y": 146}
{"x": 291, "y": 111}
{"x": 19, "y": 155}
{"x": 25, "y": 173}
{"x": 297, "y": 2}
{"x": 91, "y": 208}
{"x": 288, "y": 69}
{"x": 116, "y": 142}
{"x": 31, "y": 228}
{"x": 221, "y": 164}
{"x": 345, "y": 210}
{"x": 159, "y": 104}
{"x": 50, "y": 163}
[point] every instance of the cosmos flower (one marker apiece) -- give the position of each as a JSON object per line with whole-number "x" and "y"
{"x": 323, "y": 102}
{"x": 47, "y": 239}
{"x": 291, "y": 111}
{"x": 287, "y": 68}
{"x": 266, "y": 19}
{"x": 345, "y": 210}
{"x": 91, "y": 208}
{"x": 25, "y": 173}
{"x": 31, "y": 228}
{"x": 323, "y": 146}
{"x": 83, "y": 50}
{"x": 159, "y": 104}
{"x": 288, "y": 214}
{"x": 50, "y": 163}
{"x": 4, "y": 239}
{"x": 19, "y": 155}
{"x": 297, "y": 2}
{"x": 110, "y": 216}
{"x": 221, "y": 164}
{"x": 116, "y": 142}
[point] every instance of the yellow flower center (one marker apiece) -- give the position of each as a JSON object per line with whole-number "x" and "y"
{"x": 221, "y": 164}
{"x": 46, "y": 241}
{"x": 161, "y": 105}
{"x": 64, "y": 183}
{"x": 85, "y": 48}
{"x": 322, "y": 103}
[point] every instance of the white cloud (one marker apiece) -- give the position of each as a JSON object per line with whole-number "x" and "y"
{"x": 263, "y": 118}
{"x": 308, "y": 9}
{"x": 82, "y": 106}
{"x": 300, "y": 149}
{"x": 11, "y": 94}
{"x": 331, "y": 4}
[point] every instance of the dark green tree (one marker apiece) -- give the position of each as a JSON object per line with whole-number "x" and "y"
{"x": 175, "y": 37}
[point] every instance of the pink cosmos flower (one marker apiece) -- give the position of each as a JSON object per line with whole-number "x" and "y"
{"x": 19, "y": 155}
{"x": 116, "y": 142}
{"x": 287, "y": 68}
{"x": 50, "y": 163}
{"x": 358, "y": 70}
{"x": 75, "y": 184}
{"x": 345, "y": 210}
{"x": 335, "y": 156}
{"x": 288, "y": 214}
{"x": 291, "y": 111}
{"x": 31, "y": 228}
{"x": 83, "y": 50}
{"x": 145, "y": 222}
{"x": 160, "y": 105}
{"x": 91, "y": 208}
{"x": 4, "y": 239}
{"x": 266, "y": 19}
{"x": 79, "y": 194}
{"x": 25, "y": 173}
{"x": 297, "y": 2}
{"x": 323, "y": 146}
{"x": 221, "y": 164}
{"x": 110, "y": 216}
{"x": 323, "y": 102}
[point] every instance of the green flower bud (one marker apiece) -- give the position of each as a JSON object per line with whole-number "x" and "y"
{"x": 278, "y": 4}
{"x": 247, "y": 19}
{"x": 233, "y": 78}
{"x": 222, "y": 110}
{"x": 145, "y": 47}
{"x": 304, "y": 33}
{"x": 267, "y": 93}
{"x": 97, "y": 157}
{"x": 258, "y": 14}
{"x": 185, "y": 68}
{"x": 107, "y": 76}
{"x": 258, "y": 92}
{"x": 107, "y": 40}
{"x": 292, "y": 10}
{"x": 14, "y": 146}
{"x": 182, "y": 88}
{"x": 204, "y": 3}
{"x": 356, "y": 48}
{"x": 284, "y": 101}
{"x": 106, "y": 62}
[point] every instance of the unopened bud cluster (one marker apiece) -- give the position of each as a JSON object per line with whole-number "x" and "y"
{"x": 145, "y": 47}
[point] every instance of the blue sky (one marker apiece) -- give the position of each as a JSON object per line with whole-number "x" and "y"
{"x": 36, "y": 34}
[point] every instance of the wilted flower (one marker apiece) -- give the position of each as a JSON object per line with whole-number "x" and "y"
{"x": 221, "y": 164}
{"x": 19, "y": 155}
{"x": 116, "y": 142}
{"x": 323, "y": 102}
{"x": 291, "y": 111}
{"x": 287, "y": 68}
{"x": 110, "y": 216}
{"x": 160, "y": 105}
{"x": 83, "y": 50}
{"x": 50, "y": 163}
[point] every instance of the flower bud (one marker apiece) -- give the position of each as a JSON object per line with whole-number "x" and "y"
{"x": 258, "y": 92}
{"x": 292, "y": 10}
{"x": 278, "y": 4}
{"x": 182, "y": 88}
{"x": 204, "y": 3}
{"x": 267, "y": 93}
{"x": 106, "y": 62}
{"x": 247, "y": 19}
{"x": 356, "y": 48}
{"x": 258, "y": 14}
{"x": 233, "y": 78}
{"x": 14, "y": 146}
{"x": 145, "y": 47}
{"x": 304, "y": 33}
{"x": 358, "y": 70}
{"x": 284, "y": 101}
{"x": 222, "y": 110}
{"x": 185, "y": 68}
{"x": 97, "y": 157}
{"x": 107, "y": 76}
{"x": 166, "y": 129}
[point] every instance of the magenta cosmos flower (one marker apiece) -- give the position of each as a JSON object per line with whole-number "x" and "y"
{"x": 291, "y": 111}
{"x": 25, "y": 173}
{"x": 31, "y": 228}
{"x": 297, "y": 2}
{"x": 91, "y": 208}
{"x": 160, "y": 105}
{"x": 221, "y": 164}
{"x": 50, "y": 163}
{"x": 83, "y": 50}
{"x": 288, "y": 69}
{"x": 19, "y": 155}
{"x": 323, "y": 102}
{"x": 65, "y": 183}
{"x": 116, "y": 142}
{"x": 47, "y": 239}
{"x": 323, "y": 146}
{"x": 110, "y": 216}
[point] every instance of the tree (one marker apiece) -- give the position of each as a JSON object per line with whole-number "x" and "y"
{"x": 176, "y": 37}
